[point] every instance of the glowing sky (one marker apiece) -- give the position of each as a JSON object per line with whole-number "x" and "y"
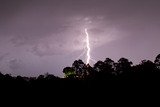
{"x": 39, "y": 36}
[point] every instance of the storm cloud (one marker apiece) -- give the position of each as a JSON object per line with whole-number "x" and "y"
{"x": 51, "y": 32}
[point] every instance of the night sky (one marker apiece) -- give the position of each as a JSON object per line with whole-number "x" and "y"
{"x": 39, "y": 36}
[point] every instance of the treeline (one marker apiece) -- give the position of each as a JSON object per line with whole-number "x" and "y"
{"x": 102, "y": 70}
{"x": 123, "y": 69}
{"x": 81, "y": 75}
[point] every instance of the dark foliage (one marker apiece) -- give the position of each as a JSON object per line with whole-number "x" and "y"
{"x": 104, "y": 75}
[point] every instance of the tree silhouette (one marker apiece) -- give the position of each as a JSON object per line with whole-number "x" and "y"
{"x": 99, "y": 66}
{"x": 69, "y": 72}
{"x": 104, "y": 70}
{"x": 1, "y": 76}
{"x": 109, "y": 66}
{"x": 157, "y": 61}
{"x": 41, "y": 77}
{"x": 147, "y": 66}
{"x": 90, "y": 72}
{"x": 80, "y": 69}
{"x": 123, "y": 66}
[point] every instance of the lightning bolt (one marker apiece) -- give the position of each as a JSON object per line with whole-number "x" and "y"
{"x": 87, "y": 46}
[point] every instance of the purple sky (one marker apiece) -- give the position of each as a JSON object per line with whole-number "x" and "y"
{"x": 39, "y": 36}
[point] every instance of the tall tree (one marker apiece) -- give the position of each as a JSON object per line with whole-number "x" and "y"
{"x": 109, "y": 66}
{"x": 80, "y": 69}
{"x": 123, "y": 66}
{"x": 147, "y": 66}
